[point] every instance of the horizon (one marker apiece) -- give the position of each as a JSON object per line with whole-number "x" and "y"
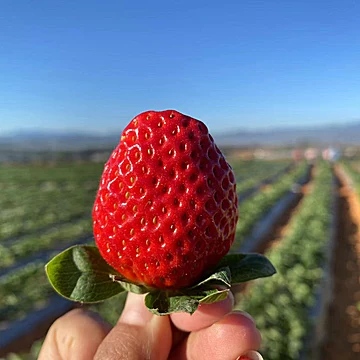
{"x": 254, "y": 65}
{"x": 117, "y": 132}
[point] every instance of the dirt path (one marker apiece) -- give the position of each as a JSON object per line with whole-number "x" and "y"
{"x": 343, "y": 322}
{"x": 279, "y": 230}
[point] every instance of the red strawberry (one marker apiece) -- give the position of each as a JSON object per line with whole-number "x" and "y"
{"x": 166, "y": 208}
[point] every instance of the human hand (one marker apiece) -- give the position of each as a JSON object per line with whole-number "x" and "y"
{"x": 212, "y": 332}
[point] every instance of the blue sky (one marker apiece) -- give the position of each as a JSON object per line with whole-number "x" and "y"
{"x": 94, "y": 65}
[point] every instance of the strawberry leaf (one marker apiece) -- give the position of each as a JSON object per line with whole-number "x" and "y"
{"x": 245, "y": 267}
{"x": 165, "y": 303}
{"x": 222, "y": 276}
{"x": 160, "y": 303}
{"x": 215, "y": 296}
{"x": 81, "y": 274}
{"x": 128, "y": 286}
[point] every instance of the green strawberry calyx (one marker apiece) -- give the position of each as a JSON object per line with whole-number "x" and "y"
{"x": 81, "y": 274}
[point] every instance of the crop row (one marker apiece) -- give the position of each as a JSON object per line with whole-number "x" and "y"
{"x": 36, "y": 198}
{"x": 252, "y": 209}
{"x": 21, "y": 185}
{"x": 18, "y": 202}
{"x": 28, "y": 175}
{"x": 43, "y": 212}
{"x": 250, "y": 171}
{"x": 36, "y": 244}
{"x": 280, "y": 304}
{"x": 23, "y": 291}
{"x": 250, "y": 186}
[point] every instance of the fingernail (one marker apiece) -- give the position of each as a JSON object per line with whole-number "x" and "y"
{"x": 245, "y": 314}
{"x": 251, "y": 355}
{"x": 231, "y": 297}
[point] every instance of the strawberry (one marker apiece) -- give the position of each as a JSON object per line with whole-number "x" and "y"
{"x": 166, "y": 209}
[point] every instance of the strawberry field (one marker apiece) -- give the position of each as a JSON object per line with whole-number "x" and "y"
{"x": 304, "y": 217}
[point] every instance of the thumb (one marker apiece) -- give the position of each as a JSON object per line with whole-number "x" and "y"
{"x": 138, "y": 335}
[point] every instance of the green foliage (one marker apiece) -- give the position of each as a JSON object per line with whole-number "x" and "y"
{"x": 252, "y": 173}
{"x": 280, "y": 305}
{"x": 61, "y": 234}
{"x": 23, "y": 291}
{"x": 43, "y": 194}
{"x": 256, "y": 170}
{"x": 252, "y": 209}
{"x": 81, "y": 274}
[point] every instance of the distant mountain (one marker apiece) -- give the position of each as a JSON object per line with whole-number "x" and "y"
{"x": 348, "y": 134}
{"x": 337, "y": 135}
{"x": 55, "y": 141}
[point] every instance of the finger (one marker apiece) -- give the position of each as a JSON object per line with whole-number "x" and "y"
{"x": 137, "y": 335}
{"x": 204, "y": 316}
{"x": 135, "y": 311}
{"x": 74, "y": 336}
{"x": 229, "y": 338}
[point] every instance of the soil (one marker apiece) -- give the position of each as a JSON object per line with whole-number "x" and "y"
{"x": 343, "y": 320}
{"x": 279, "y": 230}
